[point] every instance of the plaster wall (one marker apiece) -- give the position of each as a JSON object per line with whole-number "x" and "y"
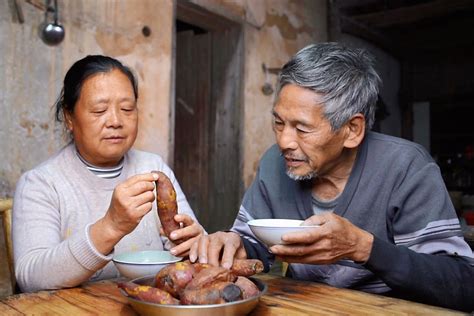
{"x": 32, "y": 73}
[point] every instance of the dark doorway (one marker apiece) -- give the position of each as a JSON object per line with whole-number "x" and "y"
{"x": 207, "y": 114}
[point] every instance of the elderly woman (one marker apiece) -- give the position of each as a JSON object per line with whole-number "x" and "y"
{"x": 95, "y": 196}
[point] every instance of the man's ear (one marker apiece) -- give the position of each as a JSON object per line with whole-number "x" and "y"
{"x": 355, "y": 129}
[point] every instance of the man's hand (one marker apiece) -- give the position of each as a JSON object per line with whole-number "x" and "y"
{"x": 336, "y": 238}
{"x": 209, "y": 248}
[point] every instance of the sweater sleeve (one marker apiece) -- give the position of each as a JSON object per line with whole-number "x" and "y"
{"x": 43, "y": 258}
{"x": 428, "y": 260}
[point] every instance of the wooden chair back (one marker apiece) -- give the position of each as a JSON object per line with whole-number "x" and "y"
{"x": 6, "y": 216}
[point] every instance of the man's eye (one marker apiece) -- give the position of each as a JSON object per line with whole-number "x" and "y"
{"x": 301, "y": 130}
{"x": 278, "y": 122}
{"x": 128, "y": 109}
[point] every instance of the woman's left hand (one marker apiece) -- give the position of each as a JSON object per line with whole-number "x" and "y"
{"x": 185, "y": 237}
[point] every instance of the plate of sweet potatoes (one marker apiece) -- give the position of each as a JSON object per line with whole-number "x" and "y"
{"x": 185, "y": 288}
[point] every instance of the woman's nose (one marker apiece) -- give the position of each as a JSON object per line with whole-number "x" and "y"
{"x": 114, "y": 119}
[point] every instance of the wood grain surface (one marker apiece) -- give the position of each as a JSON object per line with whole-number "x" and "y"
{"x": 284, "y": 297}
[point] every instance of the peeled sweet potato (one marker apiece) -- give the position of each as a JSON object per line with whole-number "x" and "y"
{"x": 248, "y": 288}
{"x": 148, "y": 294}
{"x": 174, "y": 277}
{"x": 214, "y": 293}
{"x": 246, "y": 267}
{"x": 208, "y": 276}
{"x": 166, "y": 203}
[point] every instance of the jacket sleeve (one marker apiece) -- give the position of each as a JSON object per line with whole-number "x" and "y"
{"x": 441, "y": 280}
{"x": 428, "y": 260}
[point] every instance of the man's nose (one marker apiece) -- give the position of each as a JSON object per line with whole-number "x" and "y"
{"x": 286, "y": 138}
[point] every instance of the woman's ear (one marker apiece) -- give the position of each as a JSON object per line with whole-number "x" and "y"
{"x": 68, "y": 120}
{"x": 355, "y": 128}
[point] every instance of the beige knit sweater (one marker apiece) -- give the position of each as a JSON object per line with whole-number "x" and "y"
{"x": 54, "y": 206}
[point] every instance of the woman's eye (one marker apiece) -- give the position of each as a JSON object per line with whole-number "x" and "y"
{"x": 99, "y": 111}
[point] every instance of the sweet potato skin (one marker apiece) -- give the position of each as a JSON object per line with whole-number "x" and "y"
{"x": 147, "y": 293}
{"x": 213, "y": 293}
{"x": 175, "y": 277}
{"x": 166, "y": 203}
{"x": 246, "y": 267}
{"x": 249, "y": 289}
{"x": 210, "y": 275}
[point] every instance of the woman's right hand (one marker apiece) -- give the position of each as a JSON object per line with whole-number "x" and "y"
{"x": 131, "y": 200}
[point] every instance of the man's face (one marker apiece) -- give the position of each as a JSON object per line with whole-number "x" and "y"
{"x": 305, "y": 138}
{"x": 105, "y": 119}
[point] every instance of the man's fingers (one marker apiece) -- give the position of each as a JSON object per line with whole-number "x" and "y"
{"x": 306, "y": 236}
{"x": 193, "y": 252}
{"x": 214, "y": 249}
{"x": 202, "y": 252}
{"x": 228, "y": 255}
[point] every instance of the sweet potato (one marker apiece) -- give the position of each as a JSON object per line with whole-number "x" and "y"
{"x": 214, "y": 293}
{"x": 208, "y": 276}
{"x": 166, "y": 203}
{"x": 248, "y": 288}
{"x": 174, "y": 277}
{"x": 148, "y": 294}
{"x": 246, "y": 267}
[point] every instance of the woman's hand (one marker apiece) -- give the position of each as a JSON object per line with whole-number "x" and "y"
{"x": 131, "y": 200}
{"x": 186, "y": 236}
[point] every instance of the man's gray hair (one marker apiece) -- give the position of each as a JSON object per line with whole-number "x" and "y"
{"x": 345, "y": 78}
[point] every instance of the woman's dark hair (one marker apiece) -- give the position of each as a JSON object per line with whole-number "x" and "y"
{"x": 79, "y": 72}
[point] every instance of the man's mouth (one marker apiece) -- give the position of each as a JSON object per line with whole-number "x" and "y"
{"x": 292, "y": 161}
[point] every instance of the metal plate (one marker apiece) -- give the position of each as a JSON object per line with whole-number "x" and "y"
{"x": 242, "y": 307}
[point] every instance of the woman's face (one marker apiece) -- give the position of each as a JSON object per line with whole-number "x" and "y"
{"x": 104, "y": 123}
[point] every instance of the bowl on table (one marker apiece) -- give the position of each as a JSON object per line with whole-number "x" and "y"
{"x": 135, "y": 264}
{"x": 270, "y": 230}
{"x": 242, "y": 307}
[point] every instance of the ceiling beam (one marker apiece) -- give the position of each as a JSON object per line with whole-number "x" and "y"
{"x": 413, "y": 13}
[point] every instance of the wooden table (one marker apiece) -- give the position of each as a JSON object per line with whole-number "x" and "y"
{"x": 284, "y": 297}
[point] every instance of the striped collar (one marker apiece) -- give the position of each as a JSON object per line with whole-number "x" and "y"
{"x": 103, "y": 172}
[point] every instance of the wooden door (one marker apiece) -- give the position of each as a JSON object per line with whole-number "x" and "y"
{"x": 207, "y": 159}
{"x": 192, "y": 111}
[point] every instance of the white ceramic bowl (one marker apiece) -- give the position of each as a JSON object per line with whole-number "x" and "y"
{"x": 269, "y": 231}
{"x": 136, "y": 264}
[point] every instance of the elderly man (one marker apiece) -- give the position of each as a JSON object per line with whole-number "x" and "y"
{"x": 387, "y": 224}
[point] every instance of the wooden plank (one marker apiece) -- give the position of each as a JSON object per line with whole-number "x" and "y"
{"x": 226, "y": 101}
{"x": 6, "y": 310}
{"x": 306, "y": 295}
{"x": 192, "y": 114}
